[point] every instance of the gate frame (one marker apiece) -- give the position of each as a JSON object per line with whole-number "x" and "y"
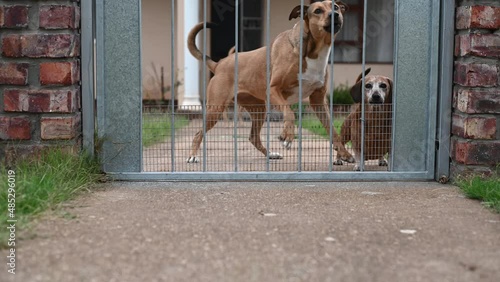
{"x": 438, "y": 160}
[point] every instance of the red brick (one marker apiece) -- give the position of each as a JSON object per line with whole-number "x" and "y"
{"x": 458, "y": 170}
{"x": 482, "y": 45}
{"x": 41, "y": 45}
{"x": 18, "y": 152}
{"x": 475, "y": 74}
{"x": 41, "y": 101}
{"x": 476, "y": 152}
{"x": 13, "y": 73}
{"x": 485, "y": 17}
{"x": 59, "y": 17}
{"x": 478, "y": 101}
{"x": 11, "y": 46}
{"x": 474, "y": 127}
{"x": 59, "y": 73}
{"x": 14, "y": 16}
{"x": 15, "y": 128}
{"x": 60, "y": 128}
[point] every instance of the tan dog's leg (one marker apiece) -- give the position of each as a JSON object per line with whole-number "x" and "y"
{"x": 213, "y": 115}
{"x": 288, "y": 132}
{"x": 258, "y": 115}
{"x": 357, "y": 154}
{"x": 318, "y": 104}
{"x": 345, "y": 135}
{"x": 214, "y": 109}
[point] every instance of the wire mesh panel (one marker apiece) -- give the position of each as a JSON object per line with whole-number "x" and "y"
{"x": 220, "y": 149}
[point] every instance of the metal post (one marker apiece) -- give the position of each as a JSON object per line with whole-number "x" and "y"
{"x": 88, "y": 113}
{"x": 301, "y": 43}
{"x": 446, "y": 88}
{"x": 268, "y": 81}
{"x": 172, "y": 86}
{"x": 363, "y": 62}
{"x": 204, "y": 86}
{"x": 235, "y": 114}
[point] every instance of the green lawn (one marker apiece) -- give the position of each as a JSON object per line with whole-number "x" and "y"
{"x": 42, "y": 184}
{"x": 311, "y": 123}
{"x": 485, "y": 189}
{"x": 157, "y": 127}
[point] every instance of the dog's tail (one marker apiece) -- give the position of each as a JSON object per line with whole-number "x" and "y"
{"x": 367, "y": 71}
{"x": 211, "y": 64}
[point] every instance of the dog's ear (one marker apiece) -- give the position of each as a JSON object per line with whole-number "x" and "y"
{"x": 360, "y": 76}
{"x": 356, "y": 92}
{"x": 296, "y": 13}
{"x": 389, "y": 95}
{"x": 343, "y": 6}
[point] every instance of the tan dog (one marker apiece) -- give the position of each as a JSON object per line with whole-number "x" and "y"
{"x": 284, "y": 82}
{"x": 378, "y": 119}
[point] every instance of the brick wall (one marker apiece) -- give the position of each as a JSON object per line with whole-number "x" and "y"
{"x": 39, "y": 76}
{"x": 476, "y": 102}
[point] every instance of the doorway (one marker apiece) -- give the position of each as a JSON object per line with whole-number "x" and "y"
{"x": 223, "y": 13}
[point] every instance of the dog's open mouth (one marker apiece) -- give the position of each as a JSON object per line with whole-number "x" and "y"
{"x": 376, "y": 102}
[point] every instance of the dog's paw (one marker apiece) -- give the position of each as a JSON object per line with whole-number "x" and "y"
{"x": 275, "y": 156}
{"x": 192, "y": 160}
{"x": 285, "y": 143}
{"x": 382, "y": 162}
{"x": 348, "y": 158}
{"x": 338, "y": 162}
{"x": 356, "y": 168}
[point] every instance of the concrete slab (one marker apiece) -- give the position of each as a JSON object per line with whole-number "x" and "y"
{"x": 255, "y": 231}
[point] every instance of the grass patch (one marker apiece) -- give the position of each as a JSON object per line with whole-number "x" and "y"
{"x": 485, "y": 189}
{"x": 158, "y": 126}
{"x": 341, "y": 95}
{"x": 312, "y": 123}
{"x": 42, "y": 184}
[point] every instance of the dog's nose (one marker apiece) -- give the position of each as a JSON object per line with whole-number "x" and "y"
{"x": 376, "y": 97}
{"x": 336, "y": 16}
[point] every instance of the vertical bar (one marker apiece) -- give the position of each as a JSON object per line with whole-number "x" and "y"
{"x": 395, "y": 75}
{"x": 99, "y": 77}
{"x": 235, "y": 117}
{"x": 301, "y": 43}
{"x": 434, "y": 84}
{"x": 88, "y": 114}
{"x": 241, "y": 21}
{"x": 446, "y": 88}
{"x": 172, "y": 86}
{"x": 140, "y": 85}
{"x": 363, "y": 62}
{"x": 332, "y": 89}
{"x": 204, "y": 86}
{"x": 268, "y": 81}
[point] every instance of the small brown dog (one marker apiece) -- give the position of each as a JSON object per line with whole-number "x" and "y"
{"x": 378, "y": 119}
{"x": 322, "y": 20}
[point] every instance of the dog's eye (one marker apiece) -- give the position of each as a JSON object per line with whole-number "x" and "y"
{"x": 336, "y": 8}
{"x": 383, "y": 85}
{"x": 318, "y": 11}
{"x": 368, "y": 86}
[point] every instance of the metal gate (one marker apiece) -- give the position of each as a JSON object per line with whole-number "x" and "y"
{"x": 154, "y": 142}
